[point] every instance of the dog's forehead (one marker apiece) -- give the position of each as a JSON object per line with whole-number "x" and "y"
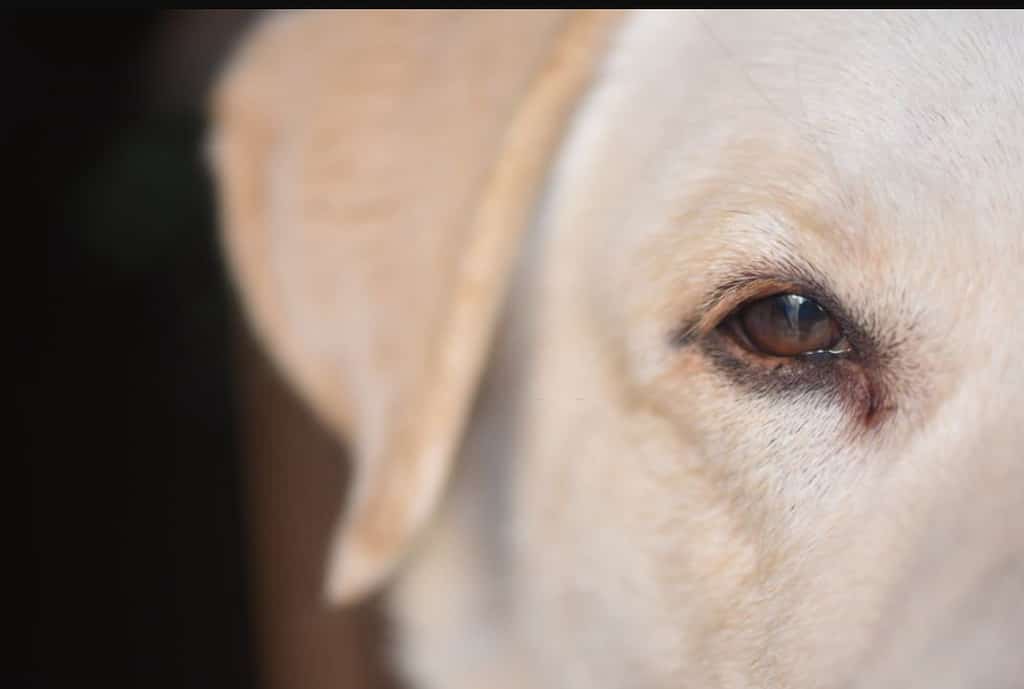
{"x": 929, "y": 102}
{"x": 946, "y": 85}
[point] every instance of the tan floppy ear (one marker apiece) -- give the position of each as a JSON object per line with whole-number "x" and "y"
{"x": 375, "y": 171}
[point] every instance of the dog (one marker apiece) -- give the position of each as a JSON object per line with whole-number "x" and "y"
{"x": 674, "y": 349}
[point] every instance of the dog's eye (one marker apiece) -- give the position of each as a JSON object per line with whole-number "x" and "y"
{"x": 786, "y": 325}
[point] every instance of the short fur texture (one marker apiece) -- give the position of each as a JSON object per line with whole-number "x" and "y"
{"x": 625, "y": 508}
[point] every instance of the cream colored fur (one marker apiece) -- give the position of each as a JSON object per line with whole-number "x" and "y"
{"x": 619, "y": 511}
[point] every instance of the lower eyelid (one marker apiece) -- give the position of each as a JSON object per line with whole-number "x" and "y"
{"x": 836, "y": 379}
{"x": 728, "y": 339}
{"x": 776, "y": 376}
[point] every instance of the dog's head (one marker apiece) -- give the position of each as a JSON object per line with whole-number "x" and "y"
{"x": 754, "y": 412}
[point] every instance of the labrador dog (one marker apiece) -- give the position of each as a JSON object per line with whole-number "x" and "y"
{"x": 674, "y": 349}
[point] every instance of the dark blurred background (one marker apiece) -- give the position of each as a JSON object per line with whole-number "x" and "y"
{"x": 132, "y": 374}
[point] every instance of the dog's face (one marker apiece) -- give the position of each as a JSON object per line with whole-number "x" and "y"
{"x": 725, "y": 483}
{"x": 760, "y": 376}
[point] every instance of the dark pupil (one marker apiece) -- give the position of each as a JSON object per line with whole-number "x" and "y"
{"x": 789, "y": 324}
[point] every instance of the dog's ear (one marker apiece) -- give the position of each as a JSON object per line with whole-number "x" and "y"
{"x": 374, "y": 173}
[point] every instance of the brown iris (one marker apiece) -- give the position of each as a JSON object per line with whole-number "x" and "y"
{"x": 787, "y": 325}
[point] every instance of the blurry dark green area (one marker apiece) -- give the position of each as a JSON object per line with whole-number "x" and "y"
{"x": 143, "y": 208}
{"x": 124, "y": 390}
